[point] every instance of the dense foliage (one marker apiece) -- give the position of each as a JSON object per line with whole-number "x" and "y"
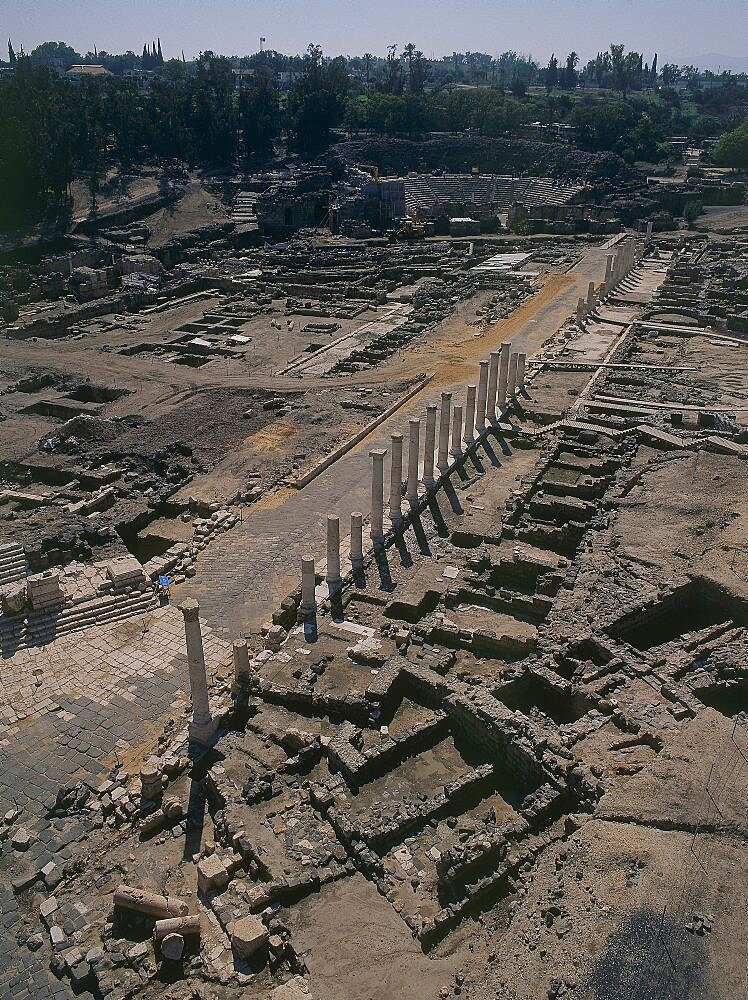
{"x": 218, "y": 112}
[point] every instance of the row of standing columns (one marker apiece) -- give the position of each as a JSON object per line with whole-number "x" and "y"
{"x": 617, "y": 267}
{"x": 499, "y": 380}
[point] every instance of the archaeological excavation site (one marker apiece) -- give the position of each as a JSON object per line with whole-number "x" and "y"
{"x": 374, "y": 587}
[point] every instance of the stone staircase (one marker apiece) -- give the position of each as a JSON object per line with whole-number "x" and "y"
{"x": 244, "y": 208}
{"x": 99, "y": 600}
{"x": 12, "y": 563}
{"x": 41, "y": 628}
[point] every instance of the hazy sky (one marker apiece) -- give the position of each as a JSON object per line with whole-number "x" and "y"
{"x": 679, "y": 30}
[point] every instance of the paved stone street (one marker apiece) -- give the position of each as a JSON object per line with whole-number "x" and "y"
{"x": 71, "y": 710}
{"x": 245, "y": 574}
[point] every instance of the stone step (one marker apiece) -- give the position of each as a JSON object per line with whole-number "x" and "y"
{"x": 82, "y": 617}
{"x": 24, "y": 632}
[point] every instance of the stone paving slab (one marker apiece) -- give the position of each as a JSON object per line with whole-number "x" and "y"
{"x": 99, "y": 691}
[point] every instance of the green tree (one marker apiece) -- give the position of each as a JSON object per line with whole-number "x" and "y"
{"x": 317, "y": 102}
{"x": 259, "y": 114}
{"x": 603, "y": 126}
{"x": 551, "y": 73}
{"x": 732, "y": 148}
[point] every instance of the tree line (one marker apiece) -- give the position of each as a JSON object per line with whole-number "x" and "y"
{"x": 206, "y": 114}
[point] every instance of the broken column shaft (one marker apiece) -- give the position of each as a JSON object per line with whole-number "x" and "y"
{"x": 503, "y": 374}
{"x": 457, "y": 431}
{"x": 357, "y": 538}
{"x": 414, "y": 446}
{"x": 396, "y": 479}
{"x": 493, "y": 377}
{"x": 428, "y": 447}
{"x": 308, "y": 584}
{"x": 150, "y": 903}
{"x": 470, "y": 414}
{"x": 480, "y": 416}
{"x": 521, "y": 360}
{"x": 377, "y": 494}
{"x": 241, "y": 658}
{"x": 511, "y": 387}
{"x": 333, "y": 550}
{"x": 444, "y": 421}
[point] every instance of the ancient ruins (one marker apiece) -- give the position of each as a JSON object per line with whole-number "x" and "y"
{"x": 373, "y": 610}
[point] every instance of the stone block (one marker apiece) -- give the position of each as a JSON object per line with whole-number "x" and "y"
{"x": 212, "y": 874}
{"x": 294, "y": 989}
{"x": 248, "y": 936}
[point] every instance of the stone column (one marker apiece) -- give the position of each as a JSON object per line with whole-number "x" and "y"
{"x": 414, "y": 447}
{"x": 470, "y": 414}
{"x": 444, "y": 419}
{"x": 396, "y": 479}
{"x": 428, "y": 447}
{"x": 503, "y": 374}
{"x": 648, "y": 237}
{"x": 480, "y": 416}
{"x": 580, "y": 312}
{"x": 521, "y": 360}
{"x": 377, "y": 494}
{"x": 357, "y": 538}
{"x": 203, "y": 726}
{"x": 457, "y": 431}
{"x": 511, "y": 387}
{"x": 493, "y": 377}
{"x": 591, "y": 295}
{"x": 333, "y": 551}
{"x": 241, "y": 658}
{"x": 308, "y": 584}
{"x": 608, "y": 269}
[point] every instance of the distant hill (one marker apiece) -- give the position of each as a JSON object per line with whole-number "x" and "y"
{"x": 716, "y": 61}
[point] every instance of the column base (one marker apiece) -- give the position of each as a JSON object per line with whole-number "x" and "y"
{"x": 204, "y": 732}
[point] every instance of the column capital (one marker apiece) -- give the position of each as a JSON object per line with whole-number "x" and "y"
{"x": 190, "y": 609}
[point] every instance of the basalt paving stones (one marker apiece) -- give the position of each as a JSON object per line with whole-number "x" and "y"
{"x": 509, "y": 808}
{"x": 132, "y": 676}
